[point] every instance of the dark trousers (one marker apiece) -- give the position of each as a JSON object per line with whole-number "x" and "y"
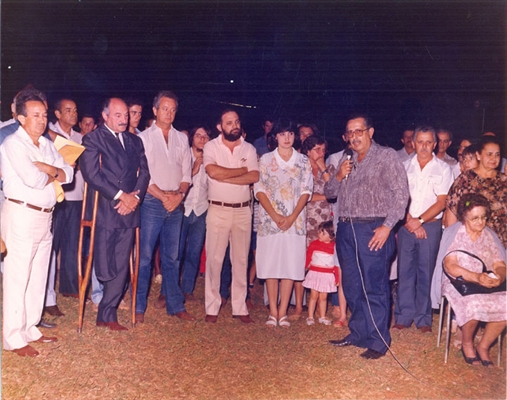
{"x": 111, "y": 263}
{"x": 374, "y": 267}
{"x": 66, "y": 220}
{"x": 416, "y": 263}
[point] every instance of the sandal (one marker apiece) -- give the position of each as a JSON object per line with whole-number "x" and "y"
{"x": 470, "y": 360}
{"x": 284, "y": 322}
{"x": 325, "y": 321}
{"x": 310, "y": 321}
{"x": 271, "y": 322}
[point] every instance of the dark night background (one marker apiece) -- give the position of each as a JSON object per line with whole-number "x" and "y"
{"x": 403, "y": 61}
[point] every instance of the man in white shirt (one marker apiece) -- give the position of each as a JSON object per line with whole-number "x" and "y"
{"x": 429, "y": 181}
{"x": 444, "y": 138}
{"x": 169, "y": 161}
{"x": 193, "y": 229}
{"x": 30, "y": 165}
{"x": 231, "y": 165}
{"x": 407, "y": 151}
{"x": 67, "y": 214}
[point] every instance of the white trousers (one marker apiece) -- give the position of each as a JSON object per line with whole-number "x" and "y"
{"x": 28, "y": 239}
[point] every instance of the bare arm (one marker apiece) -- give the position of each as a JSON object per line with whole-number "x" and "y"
{"x": 449, "y": 218}
{"x": 453, "y": 268}
{"x": 413, "y": 223}
{"x": 246, "y": 179}
{"x": 51, "y": 171}
{"x": 266, "y": 204}
{"x": 220, "y": 173}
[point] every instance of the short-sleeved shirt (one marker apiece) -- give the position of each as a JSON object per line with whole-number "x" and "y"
{"x": 243, "y": 155}
{"x": 425, "y": 185}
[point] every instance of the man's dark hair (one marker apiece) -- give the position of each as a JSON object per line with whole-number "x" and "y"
{"x": 87, "y": 116}
{"x": 313, "y": 127}
{"x": 225, "y": 111}
{"x": 134, "y": 101}
{"x": 164, "y": 93}
{"x": 443, "y": 130}
{"x": 58, "y": 103}
{"x": 29, "y": 93}
{"x": 366, "y": 117}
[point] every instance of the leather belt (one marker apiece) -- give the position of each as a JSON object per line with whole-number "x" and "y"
{"x": 361, "y": 220}
{"x": 31, "y": 206}
{"x": 231, "y": 205}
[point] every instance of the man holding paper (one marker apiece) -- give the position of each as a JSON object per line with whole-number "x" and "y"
{"x": 30, "y": 164}
{"x": 67, "y": 214}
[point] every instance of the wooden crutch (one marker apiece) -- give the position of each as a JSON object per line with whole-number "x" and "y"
{"x": 83, "y": 281}
{"x": 134, "y": 274}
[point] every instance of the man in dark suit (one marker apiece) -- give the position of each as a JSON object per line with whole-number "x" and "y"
{"x": 114, "y": 164}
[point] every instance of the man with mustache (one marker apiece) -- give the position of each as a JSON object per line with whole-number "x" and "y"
{"x": 114, "y": 164}
{"x": 372, "y": 194}
{"x": 418, "y": 240}
{"x": 231, "y": 165}
{"x": 30, "y": 166}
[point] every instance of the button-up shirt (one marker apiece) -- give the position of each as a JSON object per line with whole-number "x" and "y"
{"x": 169, "y": 163}
{"x": 74, "y": 191}
{"x": 22, "y": 180}
{"x": 243, "y": 155}
{"x": 376, "y": 187}
{"x": 197, "y": 197}
{"x": 426, "y": 184}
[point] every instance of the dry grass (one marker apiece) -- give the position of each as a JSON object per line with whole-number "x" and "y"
{"x": 166, "y": 358}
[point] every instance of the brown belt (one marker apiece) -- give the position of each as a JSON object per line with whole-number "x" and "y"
{"x": 232, "y": 205}
{"x": 31, "y": 206}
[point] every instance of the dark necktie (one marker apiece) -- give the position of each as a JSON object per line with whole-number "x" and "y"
{"x": 117, "y": 134}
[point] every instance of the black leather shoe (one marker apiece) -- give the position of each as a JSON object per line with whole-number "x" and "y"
{"x": 371, "y": 354}
{"x": 46, "y": 324}
{"x": 341, "y": 343}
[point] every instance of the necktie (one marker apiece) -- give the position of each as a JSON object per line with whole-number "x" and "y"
{"x": 117, "y": 134}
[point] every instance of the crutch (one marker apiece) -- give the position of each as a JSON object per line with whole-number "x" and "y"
{"x": 134, "y": 273}
{"x": 83, "y": 281}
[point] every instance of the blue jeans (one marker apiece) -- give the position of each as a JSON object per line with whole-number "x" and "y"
{"x": 193, "y": 232}
{"x": 157, "y": 221}
{"x": 374, "y": 266}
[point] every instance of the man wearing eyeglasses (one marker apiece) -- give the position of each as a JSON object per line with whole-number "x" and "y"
{"x": 418, "y": 240}
{"x": 372, "y": 194}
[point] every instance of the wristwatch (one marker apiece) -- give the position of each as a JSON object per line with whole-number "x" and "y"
{"x": 56, "y": 174}
{"x": 421, "y": 220}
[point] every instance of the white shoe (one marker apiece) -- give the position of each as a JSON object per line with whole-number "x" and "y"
{"x": 310, "y": 321}
{"x": 271, "y": 322}
{"x": 325, "y": 321}
{"x": 284, "y": 322}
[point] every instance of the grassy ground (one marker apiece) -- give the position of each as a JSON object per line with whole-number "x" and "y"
{"x": 166, "y": 358}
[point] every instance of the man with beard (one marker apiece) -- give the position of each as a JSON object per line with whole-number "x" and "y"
{"x": 418, "y": 240}
{"x": 231, "y": 165}
{"x": 372, "y": 194}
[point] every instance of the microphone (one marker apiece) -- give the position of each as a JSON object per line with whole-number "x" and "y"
{"x": 348, "y": 153}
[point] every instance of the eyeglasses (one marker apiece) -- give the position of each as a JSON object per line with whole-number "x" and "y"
{"x": 481, "y": 218}
{"x": 356, "y": 132}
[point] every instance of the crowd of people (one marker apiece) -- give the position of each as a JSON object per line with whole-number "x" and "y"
{"x": 336, "y": 226}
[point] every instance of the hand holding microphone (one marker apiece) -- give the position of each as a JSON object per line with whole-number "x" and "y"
{"x": 346, "y": 166}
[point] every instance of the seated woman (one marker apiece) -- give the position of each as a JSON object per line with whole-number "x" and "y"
{"x": 472, "y": 235}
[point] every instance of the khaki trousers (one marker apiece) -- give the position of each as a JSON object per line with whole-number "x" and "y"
{"x": 224, "y": 225}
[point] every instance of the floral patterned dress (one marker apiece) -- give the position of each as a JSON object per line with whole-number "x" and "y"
{"x": 281, "y": 254}
{"x": 318, "y": 211}
{"x": 481, "y": 307}
{"x": 493, "y": 189}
